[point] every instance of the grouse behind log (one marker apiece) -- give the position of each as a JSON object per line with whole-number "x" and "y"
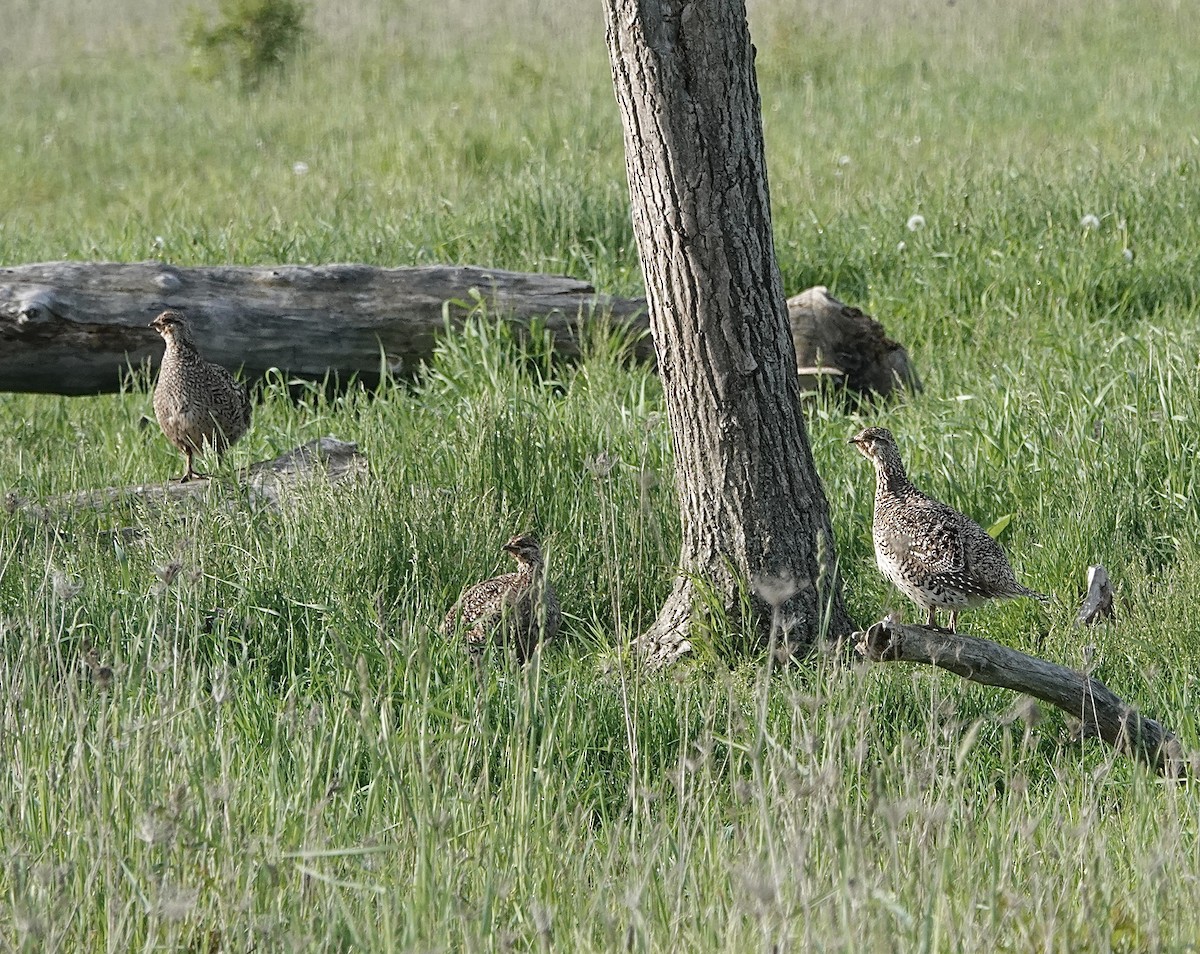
{"x": 518, "y": 609}
{"x": 936, "y": 556}
{"x": 199, "y": 405}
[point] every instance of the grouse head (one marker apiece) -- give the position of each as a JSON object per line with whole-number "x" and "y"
{"x": 524, "y": 549}
{"x": 878, "y": 446}
{"x": 173, "y": 327}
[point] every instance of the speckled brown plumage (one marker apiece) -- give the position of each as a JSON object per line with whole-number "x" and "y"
{"x": 519, "y": 610}
{"x": 938, "y": 557}
{"x": 199, "y": 405}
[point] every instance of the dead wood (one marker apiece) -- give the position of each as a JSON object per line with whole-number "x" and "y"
{"x": 1076, "y": 693}
{"x": 1098, "y": 602}
{"x": 266, "y": 483}
{"x": 77, "y": 327}
{"x": 840, "y": 344}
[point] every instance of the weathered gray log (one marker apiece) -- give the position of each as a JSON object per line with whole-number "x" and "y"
{"x": 1098, "y": 601}
{"x": 839, "y": 344}
{"x": 76, "y": 327}
{"x": 266, "y": 483}
{"x": 1076, "y": 693}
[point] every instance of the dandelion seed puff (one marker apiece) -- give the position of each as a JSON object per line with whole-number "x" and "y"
{"x": 601, "y": 465}
{"x": 1127, "y": 254}
{"x": 300, "y": 168}
{"x": 543, "y": 917}
{"x": 65, "y": 588}
{"x": 843, "y": 160}
{"x": 176, "y": 904}
{"x": 775, "y": 590}
{"x": 916, "y": 222}
{"x": 1089, "y": 221}
{"x": 168, "y": 572}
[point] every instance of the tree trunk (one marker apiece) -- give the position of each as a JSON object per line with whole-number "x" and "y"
{"x": 755, "y": 519}
{"x": 77, "y": 327}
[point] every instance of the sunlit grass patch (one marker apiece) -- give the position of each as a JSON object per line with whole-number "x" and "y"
{"x": 236, "y": 728}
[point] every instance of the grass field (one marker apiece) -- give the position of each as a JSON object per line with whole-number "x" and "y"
{"x": 285, "y": 756}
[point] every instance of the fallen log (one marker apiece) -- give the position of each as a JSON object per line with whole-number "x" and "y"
{"x": 77, "y": 327}
{"x": 839, "y": 344}
{"x": 1097, "y": 707}
{"x": 1098, "y": 601}
{"x": 265, "y": 483}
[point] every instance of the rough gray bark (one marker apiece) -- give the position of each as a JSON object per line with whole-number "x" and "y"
{"x": 76, "y": 327}
{"x": 1076, "y": 693}
{"x": 1098, "y": 601}
{"x": 268, "y": 482}
{"x": 753, "y": 511}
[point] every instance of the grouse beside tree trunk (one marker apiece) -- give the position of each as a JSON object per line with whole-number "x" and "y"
{"x": 936, "y": 556}
{"x": 518, "y": 610}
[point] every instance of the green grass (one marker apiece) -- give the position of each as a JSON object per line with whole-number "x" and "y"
{"x": 287, "y": 757}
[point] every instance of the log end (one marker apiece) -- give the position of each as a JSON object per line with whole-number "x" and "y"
{"x": 881, "y": 641}
{"x": 338, "y": 459}
{"x": 1098, "y": 602}
{"x": 833, "y": 336}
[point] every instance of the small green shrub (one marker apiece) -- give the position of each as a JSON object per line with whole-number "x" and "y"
{"x": 251, "y": 39}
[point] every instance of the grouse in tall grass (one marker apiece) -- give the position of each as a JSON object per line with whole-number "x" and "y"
{"x": 199, "y": 405}
{"x": 519, "y": 610}
{"x": 936, "y": 556}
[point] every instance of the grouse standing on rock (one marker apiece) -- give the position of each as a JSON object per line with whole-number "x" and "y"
{"x": 518, "y": 609}
{"x": 199, "y": 405}
{"x": 936, "y": 556}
